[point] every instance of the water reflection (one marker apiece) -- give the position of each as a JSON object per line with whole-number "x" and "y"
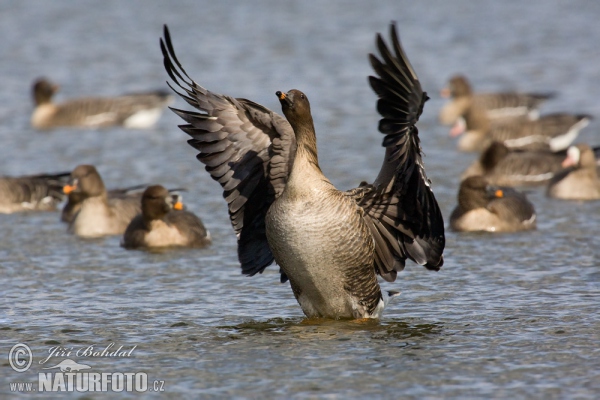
{"x": 326, "y": 329}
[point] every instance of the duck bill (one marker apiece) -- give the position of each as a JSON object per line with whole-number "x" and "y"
{"x": 178, "y": 206}
{"x": 69, "y": 189}
{"x": 284, "y": 98}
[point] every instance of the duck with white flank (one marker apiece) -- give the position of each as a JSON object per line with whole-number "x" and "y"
{"x": 489, "y": 208}
{"x": 98, "y": 214}
{"x": 495, "y": 105}
{"x": 135, "y": 110}
{"x": 580, "y": 179}
{"x": 550, "y": 132}
{"x": 75, "y": 198}
{"x": 501, "y": 166}
{"x": 329, "y": 244}
{"x": 40, "y": 192}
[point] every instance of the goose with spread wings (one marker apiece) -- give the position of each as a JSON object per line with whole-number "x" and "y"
{"x": 329, "y": 244}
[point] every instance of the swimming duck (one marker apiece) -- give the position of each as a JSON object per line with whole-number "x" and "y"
{"x": 503, "y": 166}
{"x": 164, "y": 223}
{"x": 580, "y": 181}
{"x": 494, "y": 105}
{"x": 75, "y": 198}
{"x": 40, "y": 192}
{"x": 99, "y": 215}
{"x": 135, "y": 110}
{"x": 551, "y": 132}
{"x": 484, "y": 207}
{"x": 328, "y": 243}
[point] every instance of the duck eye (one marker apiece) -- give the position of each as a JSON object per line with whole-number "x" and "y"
{"x": 302, "y": 96}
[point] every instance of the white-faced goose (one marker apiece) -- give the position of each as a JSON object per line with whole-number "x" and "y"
{"x": 494, "y": 105}
{"x": 98, "y": 215}
{"x": 40, "y": 192}
{"x": 484, "y": 207}
{"x": 135, "y": 110}
{"x": 164, "y": 223}
{"x": 551, "y": 132}
{"x": 502, "y": 166}
{"x": 580, "y": 181}
{"x": 75, "y": 199}
{"x": 329, "y": 244}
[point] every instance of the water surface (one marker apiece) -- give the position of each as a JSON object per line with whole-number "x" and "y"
{"x": 508, "y": 316}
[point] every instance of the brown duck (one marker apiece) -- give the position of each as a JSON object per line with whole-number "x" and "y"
{"x": 502, "y": 166}
{"x": 494, "y": 105}
{"x": 98, "y": 214}
{"x": 330, "y": 244}
{"x": 484, "y": 207}
{"x": 74, "y": 200}
{"x": 41, "y": 192}
{"x": 135, "y": 110}
{"x": 551, "y": 132}
{"x": 580, "y": 181}
{"x": 164, "y": 223}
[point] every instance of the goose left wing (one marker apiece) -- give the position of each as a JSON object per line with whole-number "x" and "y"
{"x": 245, "y": 147}
{"x": 400, "y": 207}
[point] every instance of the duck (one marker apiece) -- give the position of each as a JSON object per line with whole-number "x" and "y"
{"x": 98, "y": 214}
{"x": 39, "y": 192}
{"x": 74, "y": 200}
{"x": 329, "y": 244}
{"x": 551, "y": 132}
{"x": 135, "y": 110}
{"x": 489, "y": 208}
{"x": 495, "y": 105}
{"x": 503, "y": 166}
{"x": 580, "y": 179}
{"x": 163, "y": 223}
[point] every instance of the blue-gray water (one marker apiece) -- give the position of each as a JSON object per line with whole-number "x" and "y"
{"x": 508, "y": 316}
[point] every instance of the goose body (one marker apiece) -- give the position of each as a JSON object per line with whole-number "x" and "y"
{"x": 317, "y": 232}
{"x": 580, "y": 181}
{"x": 502, "y": 166}
{"x": 40, "y": 192}
{"x": 135, "y": 111}
{"x": 551, "y": 132}
{"x": 489, "y": 208}
{"x": 98, "y": 215}
{"x": 495, "y": 105}
{"x": 163, "y": 223}
{"x": 74, "y": 200}
{"x": 329, "y": 244}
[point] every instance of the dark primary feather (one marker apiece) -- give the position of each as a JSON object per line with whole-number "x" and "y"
{"x": 245, "y": 147}
{"x": 400, "y": 207}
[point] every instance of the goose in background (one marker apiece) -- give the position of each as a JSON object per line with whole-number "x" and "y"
{"x": 580, "y": 180}
{"x": 551, "y": 132}
{"x": 75, "y": 198}
{"x": 41, "y": 192}
{"x": 135, "y": 110}
{"x": 494, "y": 105}
{"x": 328, "y": 243}
{"x": 163, "y": 223}
{"x": 503, "y": 166}
{"x": 98, "y": 214}
{"x": 490, "y": 208}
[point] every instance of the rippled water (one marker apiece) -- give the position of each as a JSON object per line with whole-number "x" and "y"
{"x": 508, "y": 315}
